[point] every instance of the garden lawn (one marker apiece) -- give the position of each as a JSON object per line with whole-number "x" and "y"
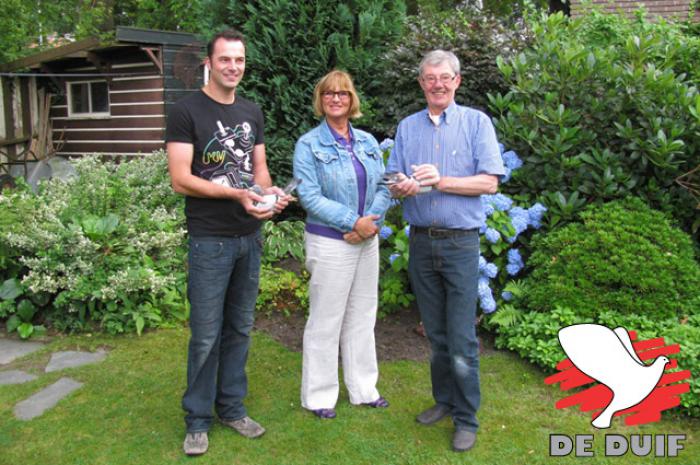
{"x": 128, "y": 412}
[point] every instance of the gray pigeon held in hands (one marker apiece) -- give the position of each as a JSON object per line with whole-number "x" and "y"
{"x": 608, "y": 357}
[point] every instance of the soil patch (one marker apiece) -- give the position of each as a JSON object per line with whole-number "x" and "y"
{"x": 395, "y": 334}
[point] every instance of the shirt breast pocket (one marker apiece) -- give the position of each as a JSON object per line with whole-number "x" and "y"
{"x": 461, "y": 161}
{"x": 328, "y": 171}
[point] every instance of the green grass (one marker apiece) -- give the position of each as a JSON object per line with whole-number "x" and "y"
{"x": 129, "y": 412}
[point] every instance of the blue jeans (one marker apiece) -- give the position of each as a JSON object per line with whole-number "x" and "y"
{"x": 222, "y": 288}
{"x": 444, "y": 276}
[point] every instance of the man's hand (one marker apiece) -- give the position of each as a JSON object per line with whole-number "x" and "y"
{"x": 406, "y": 187}
{"x": 247, "y": 198}
{"x": 426, "y": 174}
{"x": 282, "y": 198}
{"x": 365, "y": 226}
{"x": 352, "y": 237}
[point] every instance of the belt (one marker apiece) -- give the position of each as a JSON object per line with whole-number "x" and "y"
{"x": 441, "y": 233}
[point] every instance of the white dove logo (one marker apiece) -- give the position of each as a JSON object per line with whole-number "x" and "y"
{"x": 607, "y": 356}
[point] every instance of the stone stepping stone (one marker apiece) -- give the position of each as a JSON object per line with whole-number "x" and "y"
{"x": 15, "y": 377}
{"x": 43, "y": 400}
{"x": 10, "y": 349}
{"x": 72, "y": 358}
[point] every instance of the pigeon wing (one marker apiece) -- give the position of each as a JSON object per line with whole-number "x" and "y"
{"x": 624, "y": 337}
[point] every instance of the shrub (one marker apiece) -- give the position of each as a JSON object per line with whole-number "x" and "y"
{"x": 600, "y": 107}
{"x": 282, "y": 290}
{"x": 283, "y": 239}
{"x": 290, "y": 45}
{"x": 106, "y": 247}
{"x": 475, "y": 37}
{"x": 624, "y": 257}
{"x": 534, "y": 337}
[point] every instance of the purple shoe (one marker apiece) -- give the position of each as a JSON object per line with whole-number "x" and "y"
{"x": 325, "y": 413}
{"x": 379, "y": 403}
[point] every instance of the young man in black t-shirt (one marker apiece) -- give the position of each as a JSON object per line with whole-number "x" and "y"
{"x": 216, "y": 152}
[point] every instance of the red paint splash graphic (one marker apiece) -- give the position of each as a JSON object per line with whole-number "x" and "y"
{"x": 596, "y": 397}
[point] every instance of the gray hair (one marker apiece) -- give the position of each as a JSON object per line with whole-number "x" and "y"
{"x": 438, "y": 57}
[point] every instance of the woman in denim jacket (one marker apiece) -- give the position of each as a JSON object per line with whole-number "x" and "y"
{"x": 340, "y": 168}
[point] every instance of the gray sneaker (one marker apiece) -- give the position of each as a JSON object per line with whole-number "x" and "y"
{"x": 196, "y": 443}
{"x": 245, "y": 426}
{"x": 434, "y": 414}
{"x": 463, "y": 440}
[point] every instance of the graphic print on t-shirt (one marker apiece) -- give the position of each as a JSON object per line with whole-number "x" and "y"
{"x": 226, "y": 159}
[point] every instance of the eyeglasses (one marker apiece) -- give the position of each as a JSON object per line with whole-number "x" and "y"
{"x": 341, "y": 94}
{"x": 444, "y": 79}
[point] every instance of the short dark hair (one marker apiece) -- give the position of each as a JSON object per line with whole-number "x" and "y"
{"x": 228, "y": 34}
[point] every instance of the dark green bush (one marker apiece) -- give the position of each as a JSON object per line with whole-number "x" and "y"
{"x": 290, "y": 45}
{"x": 475, "y": 37}
{"x": 624, "y": 257}
{"x": 601, "y": 107}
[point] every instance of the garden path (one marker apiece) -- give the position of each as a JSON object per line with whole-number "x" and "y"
{"x": 47, "y": 397}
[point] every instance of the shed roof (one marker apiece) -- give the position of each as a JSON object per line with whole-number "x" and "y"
{"x": 124, "y": 37}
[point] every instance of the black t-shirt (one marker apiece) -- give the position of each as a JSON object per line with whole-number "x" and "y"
{"x": 223, "y": 137}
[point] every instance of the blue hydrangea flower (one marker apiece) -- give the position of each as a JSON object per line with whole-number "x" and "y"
{"x": 491, "y": 270}
{"x": 492, "y": 235}
{"x": 500, "y": 202}
{"x": 385, "y": 232}
{"x": 507, "y": 296}
{"x": 501, "y": 147}
{"x": 482, "y": 229}
{"x": 393, "y": 257}
{"x": 487, "y": 207}
{"x": 513, "y": 268}
{"x": 483, "y": 288}
{"x": 511, "y": 160}
{"x": 506, "y": 176}
{"x": 386, "y": 144}
{"x": 482, "y": 264}
{"x": 515, "y": 257}
{"x": 535, "y": 214}
{"x": 407, "y": 230}
{"x": 519, "y": 218}
{"x": 488, "y": 304}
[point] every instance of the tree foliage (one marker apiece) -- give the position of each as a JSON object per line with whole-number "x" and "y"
{"x": 290, "y": 45}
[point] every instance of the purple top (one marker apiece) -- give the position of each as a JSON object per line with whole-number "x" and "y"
{"x": 361, "y": 186}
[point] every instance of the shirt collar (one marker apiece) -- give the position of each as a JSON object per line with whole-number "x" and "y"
{"x": 449, "y": 116}
{"x": 327, "y": 137}
{"x": 339, "y": 138}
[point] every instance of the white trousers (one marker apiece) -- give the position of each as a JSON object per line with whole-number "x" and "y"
{"x": 343, "y": 310}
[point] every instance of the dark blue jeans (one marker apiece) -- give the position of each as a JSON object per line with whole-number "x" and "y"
{"x": 444, "y": 274}
{"x": 222, "y": 287}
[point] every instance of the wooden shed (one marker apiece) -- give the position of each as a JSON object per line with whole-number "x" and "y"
{"x": 95, "y": 97}
{"x": 669, "y": 9}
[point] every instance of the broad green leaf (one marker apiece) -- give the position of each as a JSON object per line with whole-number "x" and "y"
{"x": 25, "y": 330}
{"x": 10, "y": 289}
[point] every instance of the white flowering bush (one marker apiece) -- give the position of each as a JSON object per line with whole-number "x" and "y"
{"x": 107, "y": 245}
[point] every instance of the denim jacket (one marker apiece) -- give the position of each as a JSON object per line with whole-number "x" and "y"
{"x": 328, "y": 191}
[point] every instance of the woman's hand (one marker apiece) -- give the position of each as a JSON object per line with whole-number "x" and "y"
{"x": 365, "y": 226}
{"x": 352, "y": 238}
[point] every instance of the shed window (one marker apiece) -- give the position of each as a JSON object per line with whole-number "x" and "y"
{"x": 88, "y": 98}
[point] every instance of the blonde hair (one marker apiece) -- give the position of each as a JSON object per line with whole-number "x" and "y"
{"x": 336, "y": 80}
